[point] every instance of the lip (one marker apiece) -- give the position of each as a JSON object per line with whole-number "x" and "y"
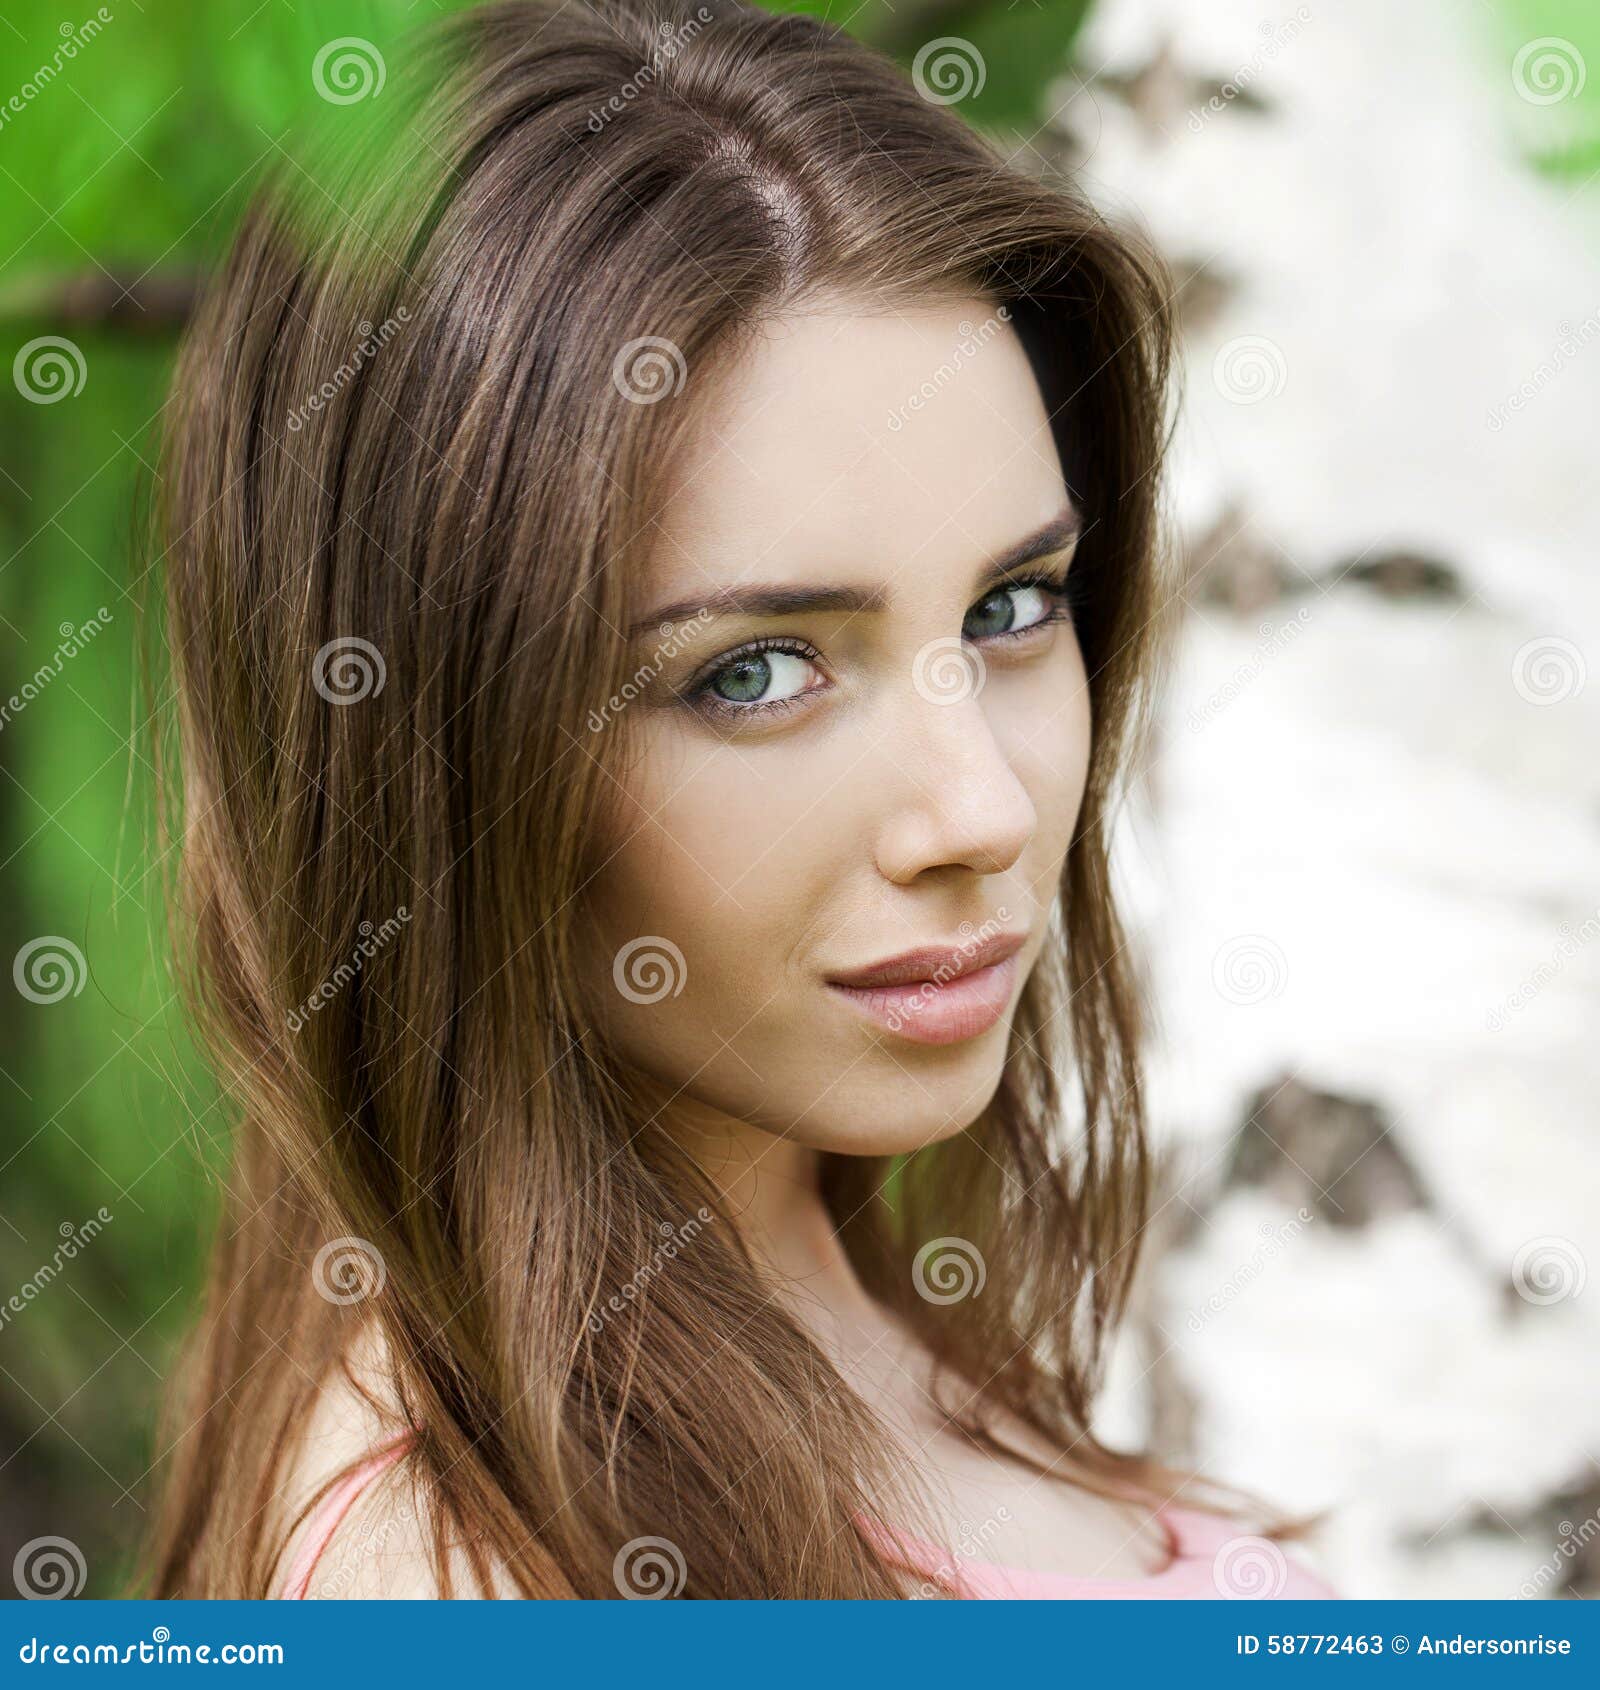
{"x": 938, "y": 994}
{"x": 933, "y": 963}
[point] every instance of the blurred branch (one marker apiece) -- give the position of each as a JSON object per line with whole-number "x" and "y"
{"x": 153, "y": 303}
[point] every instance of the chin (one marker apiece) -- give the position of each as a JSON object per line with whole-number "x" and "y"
{"x": 906, "y": 1100}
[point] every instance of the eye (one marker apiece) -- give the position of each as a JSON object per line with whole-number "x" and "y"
{"x": 766, "y": 676}
{"x": 1015, "y": 608}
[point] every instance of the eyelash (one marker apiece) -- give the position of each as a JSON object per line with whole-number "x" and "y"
{"x": 1064, "y": 589}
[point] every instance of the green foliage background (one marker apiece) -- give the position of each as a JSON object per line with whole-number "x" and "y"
{"x": 119, "y": 182}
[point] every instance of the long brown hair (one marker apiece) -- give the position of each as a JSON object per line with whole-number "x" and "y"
{"x": 404, "y": 496}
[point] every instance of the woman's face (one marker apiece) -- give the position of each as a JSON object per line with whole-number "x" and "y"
{"x": 856, "y": 740}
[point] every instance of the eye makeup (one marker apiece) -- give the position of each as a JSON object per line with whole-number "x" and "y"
{"x": 757, "y": 665}
{"x": 753, "y": 663}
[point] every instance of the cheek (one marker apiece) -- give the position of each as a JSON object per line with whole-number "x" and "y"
{"x": 718, "y": 856}
{"x": 1044, "y": 727}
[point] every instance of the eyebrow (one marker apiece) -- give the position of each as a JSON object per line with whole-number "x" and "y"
{"x": 758, "y": 601}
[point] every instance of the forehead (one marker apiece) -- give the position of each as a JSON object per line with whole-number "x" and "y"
{"x": 850, "y": 444}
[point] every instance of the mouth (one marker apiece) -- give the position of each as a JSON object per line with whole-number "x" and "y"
{"x": 938, "y": 995}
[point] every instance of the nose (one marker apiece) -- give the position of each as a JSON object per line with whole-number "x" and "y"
{"x": 956, "y": 801}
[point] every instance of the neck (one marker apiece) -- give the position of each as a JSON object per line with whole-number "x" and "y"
{"x": 771, "y": 1191}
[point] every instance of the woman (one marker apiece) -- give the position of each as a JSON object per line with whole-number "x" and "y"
{"x": 661, "y": 585}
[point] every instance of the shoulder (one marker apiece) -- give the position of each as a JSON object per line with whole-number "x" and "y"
{"x": 1243, "y": 1560}
{"x": 358, "y": 1514}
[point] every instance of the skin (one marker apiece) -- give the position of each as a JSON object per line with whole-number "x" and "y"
{"x": 869, "y": 816}
{"x": 868, "y": 819}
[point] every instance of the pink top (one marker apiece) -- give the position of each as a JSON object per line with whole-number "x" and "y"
{"x": 1208, "y": 1558}
{"x": 331, "y": 1512}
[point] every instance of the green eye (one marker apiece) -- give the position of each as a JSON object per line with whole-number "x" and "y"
{"x": 746, "y": 679}
{"x": 1008, "y": 610}
{"x": 771, "y": 676}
